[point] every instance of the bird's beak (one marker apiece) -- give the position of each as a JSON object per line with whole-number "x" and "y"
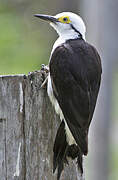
{"x": 46, "y": 17}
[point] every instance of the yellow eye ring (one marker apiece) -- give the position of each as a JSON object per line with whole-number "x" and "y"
{"x": 64, "y": 19}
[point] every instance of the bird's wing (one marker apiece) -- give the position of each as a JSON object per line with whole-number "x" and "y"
{"x": 74, "y": 91}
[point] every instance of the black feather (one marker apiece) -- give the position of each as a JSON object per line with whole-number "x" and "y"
{"x": 62, "y": 150}
{"x": 60, "y": 147}
{"x": 75, "y": 69}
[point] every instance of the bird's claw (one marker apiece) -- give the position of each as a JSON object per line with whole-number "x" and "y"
{"x": 43, "y": 85}
{"x": 45, "y": 71}
{"x": 45, "y": 68}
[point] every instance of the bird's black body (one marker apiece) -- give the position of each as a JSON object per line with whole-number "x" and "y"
{"x": 75, "y": 70}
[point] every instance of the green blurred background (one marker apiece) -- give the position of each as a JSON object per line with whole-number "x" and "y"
{"x": 26, "y": 43}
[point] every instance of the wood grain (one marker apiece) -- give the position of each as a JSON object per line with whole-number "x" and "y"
{"x": 28, "y": 125}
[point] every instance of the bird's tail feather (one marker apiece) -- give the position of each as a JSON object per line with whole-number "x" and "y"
{"x": 62, "y": 150}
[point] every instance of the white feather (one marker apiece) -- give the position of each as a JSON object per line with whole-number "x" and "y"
{"x": 58, "y": 110}
{"x": 65, "y": 31}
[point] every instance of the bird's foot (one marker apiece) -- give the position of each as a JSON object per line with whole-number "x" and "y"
{"x": 45, "y": 71}
{"x": 45, "y": 68}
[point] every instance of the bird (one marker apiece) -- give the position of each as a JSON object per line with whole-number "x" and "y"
{"x": 73, "y": 85}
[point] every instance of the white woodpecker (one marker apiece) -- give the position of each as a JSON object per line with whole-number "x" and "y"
{"x": 73, "y": 85}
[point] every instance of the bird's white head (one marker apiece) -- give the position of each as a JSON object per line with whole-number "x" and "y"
{"x": 67, "y": 24}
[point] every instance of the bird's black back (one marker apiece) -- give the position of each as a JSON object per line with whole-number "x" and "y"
{"x": 75, "y": 69}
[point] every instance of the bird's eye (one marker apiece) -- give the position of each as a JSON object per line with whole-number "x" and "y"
{"x": 65, "y": 19}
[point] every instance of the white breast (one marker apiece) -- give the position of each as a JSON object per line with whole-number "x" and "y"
{"x": 53, "y": 99}
{"x": 58, "y": 110}
{"x": 57, "y": 43}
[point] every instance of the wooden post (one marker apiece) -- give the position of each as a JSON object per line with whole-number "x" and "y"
{"x": 28, "y": 125}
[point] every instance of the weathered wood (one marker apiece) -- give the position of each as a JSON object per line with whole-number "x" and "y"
{"x": 11, "y": 126}
{"x": 28, "y": 125}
